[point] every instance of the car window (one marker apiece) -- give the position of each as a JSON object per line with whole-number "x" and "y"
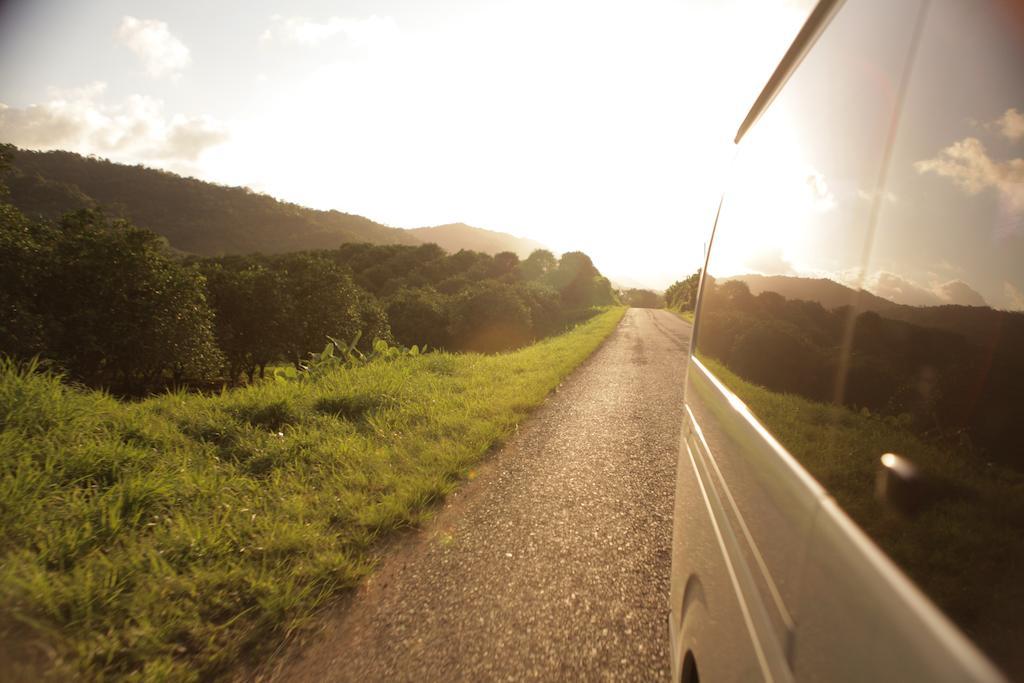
{"x": 861, "y": 289}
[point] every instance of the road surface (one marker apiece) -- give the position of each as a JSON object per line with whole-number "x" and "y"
{"x": 553, "y": 563}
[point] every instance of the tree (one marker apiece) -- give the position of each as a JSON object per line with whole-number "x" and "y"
{"x": 319, "y": 300}
{"x": 580, "y": 283}
{"x": 108, "y": 303}
{"x": 642, "y": 298}
{"x": 504, "y": 265}
{"x": 418, "y": 317}
{"x": 373, "y": 321}
{"x": 24, "y": 252}
{"x": 6, "y": 161}
{"x": 247, "y": 300}
{"x": 774, "y": 353}
{"x": 546, "y": 314}
{"x": 538, "y": 264}
{"x": 489, "y": 317}
{"x": 682, "y": 295}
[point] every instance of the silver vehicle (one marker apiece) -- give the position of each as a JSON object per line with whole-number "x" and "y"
{"x": 850, "y": 497}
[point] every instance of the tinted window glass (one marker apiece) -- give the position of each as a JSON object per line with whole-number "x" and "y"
{"x": 857, "y": 318}
{"x": 948, "y": 341}
{"x": 795, "y": 221}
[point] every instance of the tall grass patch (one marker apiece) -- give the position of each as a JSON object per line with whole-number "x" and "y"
{"x": 172, "y": 537}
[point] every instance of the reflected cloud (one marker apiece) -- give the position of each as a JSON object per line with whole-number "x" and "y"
{"x": 1011, "y": 124}
{"x": 960, "y": 293}
{"x": 968, "y": 164}
{"x": 870, "y": 196}
{"x": 901, "y": 290}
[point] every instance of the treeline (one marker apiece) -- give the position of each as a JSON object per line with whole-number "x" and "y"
{"x": 271, "y": 308}
{"x": 641, "y": 298}
{"x": 682, "y": 295}
{"x": 939, "y": 383}
{"x": 113, "y": 307}
{"x": 103, "y": 300}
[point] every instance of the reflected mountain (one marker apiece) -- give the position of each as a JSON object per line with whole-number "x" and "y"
{"x": 980, "y": 324}
{"x": 828, "y": 293}
{"x": 952, "y": 374}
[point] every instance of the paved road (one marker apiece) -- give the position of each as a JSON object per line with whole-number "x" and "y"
{"x": 553, "y": 564}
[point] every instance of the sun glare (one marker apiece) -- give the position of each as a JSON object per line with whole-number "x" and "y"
{"x": 595, "y": 136}
{"x": 782, "y": 193}
{"x": 581, "y": 125}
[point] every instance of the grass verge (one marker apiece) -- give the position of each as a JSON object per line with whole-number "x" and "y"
{"x": 960, "y": 549}
{"x": 170, "y": 538}
{"x": 685, "y": 315}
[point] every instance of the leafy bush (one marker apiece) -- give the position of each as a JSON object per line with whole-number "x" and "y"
{"x": 490, "y": 317}
{"x": 419, "y": 316}
{"x": 682, "y": 295}
{"x": 104, "y": 300}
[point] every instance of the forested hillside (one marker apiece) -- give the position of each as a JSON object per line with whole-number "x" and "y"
{"x": 457, "y": 236}
{"x": 111, "y": 306}
{"x": 208, "y": 219}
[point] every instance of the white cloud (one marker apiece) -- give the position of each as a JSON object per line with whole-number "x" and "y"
{"x": 1014, "y": 296}
{"x": 1011, "y": 124}
{"x": 968, "y": 164}
{"x": 162, "y": 53}
{"x": 770, "y": 262}
{"x": 373, "y": 31}
{"x": 134, "y": 130}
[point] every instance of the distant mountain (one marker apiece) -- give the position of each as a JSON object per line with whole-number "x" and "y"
{"x": 632, "y": 283}
{"x": 456, "y": 236}
{"x": 195, "y": 216}
{"x": 209, "y": 219}
{"x": 980, "y": 324}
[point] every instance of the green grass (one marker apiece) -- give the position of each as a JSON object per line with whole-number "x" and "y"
{"x": 962, "y": 549}
{"x": 174, "y": 537}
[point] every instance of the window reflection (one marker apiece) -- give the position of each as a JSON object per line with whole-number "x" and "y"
{"x": 851, "y": 339}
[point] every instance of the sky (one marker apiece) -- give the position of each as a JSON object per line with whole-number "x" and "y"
{"x": 595, "y": 126}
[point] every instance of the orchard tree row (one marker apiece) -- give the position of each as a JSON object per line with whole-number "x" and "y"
{"x": 112, "y": 306}
{"x": 280, "y": 307}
